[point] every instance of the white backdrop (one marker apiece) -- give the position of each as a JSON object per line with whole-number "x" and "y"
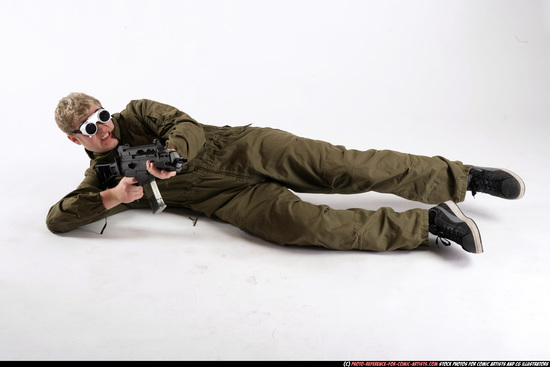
{"x": 469, "y": 80}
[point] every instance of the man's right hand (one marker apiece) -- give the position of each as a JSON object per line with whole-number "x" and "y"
{"x": 125, "y": 192}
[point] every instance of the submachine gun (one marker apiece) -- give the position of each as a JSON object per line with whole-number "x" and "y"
{"x": 132, "y": 162}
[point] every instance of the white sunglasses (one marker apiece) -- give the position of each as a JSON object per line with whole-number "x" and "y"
{"x": 89, "y": 127}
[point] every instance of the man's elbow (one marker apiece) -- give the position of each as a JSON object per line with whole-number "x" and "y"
{"x": 55, "y": 227}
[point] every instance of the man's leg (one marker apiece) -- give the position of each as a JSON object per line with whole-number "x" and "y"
{"x": 307, "y": 165}
{"x": 272, "y": 212}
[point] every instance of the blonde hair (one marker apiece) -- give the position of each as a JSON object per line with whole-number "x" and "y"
{"x": 74, "y": 107}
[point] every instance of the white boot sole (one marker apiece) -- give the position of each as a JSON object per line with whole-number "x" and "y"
{"x": 471, "y": 224}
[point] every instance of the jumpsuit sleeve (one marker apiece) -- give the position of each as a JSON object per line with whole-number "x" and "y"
{"x": 176, "y": 128}
{"x": 81, "y": 206}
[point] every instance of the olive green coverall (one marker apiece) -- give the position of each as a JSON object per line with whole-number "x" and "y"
{"x": 244, "y": 176}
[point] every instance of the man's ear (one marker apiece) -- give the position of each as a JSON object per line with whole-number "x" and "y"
{"x": 73, "y": 139}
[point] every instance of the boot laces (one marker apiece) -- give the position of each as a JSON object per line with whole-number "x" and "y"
{"x": 443, "y": 241}
{"x": 446, "y": 233}
{"x": 478, "y": 183}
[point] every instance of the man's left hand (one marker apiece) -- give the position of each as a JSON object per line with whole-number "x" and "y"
{"x": 159, "y": 173}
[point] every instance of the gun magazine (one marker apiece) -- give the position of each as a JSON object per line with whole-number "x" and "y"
{"x": 152, "y": 193}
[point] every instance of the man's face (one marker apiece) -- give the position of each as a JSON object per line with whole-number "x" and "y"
{"x": 104, "y": 139}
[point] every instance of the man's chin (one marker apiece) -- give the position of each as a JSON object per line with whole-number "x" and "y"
{"x": 107, "y": 145}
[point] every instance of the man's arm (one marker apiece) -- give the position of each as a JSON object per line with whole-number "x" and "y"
{"x": 89, "y": 203}
{"x": 85, "y": 205}
{"x": 179, "y": 131}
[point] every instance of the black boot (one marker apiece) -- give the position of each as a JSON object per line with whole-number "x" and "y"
{"x": 496, "y": 181}
{"x": 449, "y": 223}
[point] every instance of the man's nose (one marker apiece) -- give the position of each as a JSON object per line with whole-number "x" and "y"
{"x": 101, "y": 127}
